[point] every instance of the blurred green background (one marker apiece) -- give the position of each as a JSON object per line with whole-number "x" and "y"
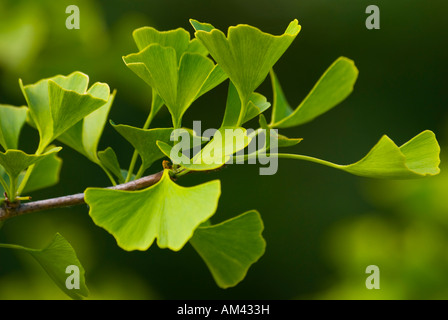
{"x": 323, "y": 227}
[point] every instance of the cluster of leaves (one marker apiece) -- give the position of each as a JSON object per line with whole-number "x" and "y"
{"x": 179, "y": 70}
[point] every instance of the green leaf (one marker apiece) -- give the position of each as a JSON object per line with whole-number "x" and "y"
{"x": 177, "y": 84}
{"x": 4, "y": 182}
{"x": 284, "y": 141}
{"x": 246, "y": 54}
{"x": 257, "y": 104}
{"x": 178, "y": 39}
{"x": 12, "y": 120}
{"x": 419, "y": 157}
{"x": 157, "y": 66}
{"x": 58, "y": 103}
{"x": 110, "y": 161}
{"x": 226, "y": 142}
{"x": 196, "y": 46}
{"x": 144, "y": 141}
{"x": 281, "y": 108}
{"x": 231, "y": 247}
{"x": 45, "y": 174}
{"x": 16, "y": 161}
{"x": 164, "y": 211}
{"x": 332, "y": 88}
{"x": 85, "y": 135}
{"x": 55, "y": 259}
{"x": 200, "y": 26}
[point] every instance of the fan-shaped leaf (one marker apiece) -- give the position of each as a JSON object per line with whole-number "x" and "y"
{"x": 231, "y": 247}
{"x": 246, "y": 54}
{"x": 164, "y": 211}
{"x": 109, "y": 160}
{"x": 15, "y": 161}
{"x": 144, "y": 141}
{"x": 85, "y": 135}
{"x": 12, "y": 120}
{"x": 58, "y": 103}
{"x": 45, "y": 174}
{"x": 178, "y": 84}
{"x": 55, "y": 258}
{"x": 332, "y": 88}
{"x": 419, "y": 157}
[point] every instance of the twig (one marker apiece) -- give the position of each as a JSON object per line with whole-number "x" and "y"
{"x": 9, "y": 210}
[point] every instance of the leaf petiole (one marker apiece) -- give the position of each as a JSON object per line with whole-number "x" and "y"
{"x": 135, "y": 154}
{"x": 4, "y": 185}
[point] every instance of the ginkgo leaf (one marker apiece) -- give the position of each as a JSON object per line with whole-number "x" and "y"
{"x": 16, "y": 161}
{"x": 109, "y": 160}
{"x": 419, "y": 157}
{"x": 55, "y": 260}
{"x": 85, "y": 135}
{"x": 226, "y": 142}
{"x": 332, "y": 88}
{"x": 164, "y": 211}
{"x": 246, "y": 54}
{"x": 45, "y": 174}
{"x": 4, "y": 183}
{"x": 178, "y": 39}
{"x": 58, "y": 103}
{"x": 230, "y": 247}
{"x": 144, "y": 141}
{"x": 179, "y": 84}
{"x": 158, "y": 67}
{"x": 12, "y": 120}
{"x": 284, "y": 141}
{"x": 195, "y": 46}
{"x": 281, "y": 108}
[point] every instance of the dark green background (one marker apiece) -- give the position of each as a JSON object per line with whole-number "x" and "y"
{"x": 323, "y": 227}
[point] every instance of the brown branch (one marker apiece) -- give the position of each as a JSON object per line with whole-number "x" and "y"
{"x": 9, "y": 210}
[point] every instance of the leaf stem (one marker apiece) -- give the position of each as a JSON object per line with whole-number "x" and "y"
{"x": 140, "y": 172}
{"x": 135, "y": 154}
{"x": 13, "y": 246}
{"x": 289, "y": 156}
{"x": 4, "y": 185}
{"x": 111, "y": 178}
{"x": 12, "y": 189}
{"x": 244, "y": 102}
{"x": 307, "y": 158}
